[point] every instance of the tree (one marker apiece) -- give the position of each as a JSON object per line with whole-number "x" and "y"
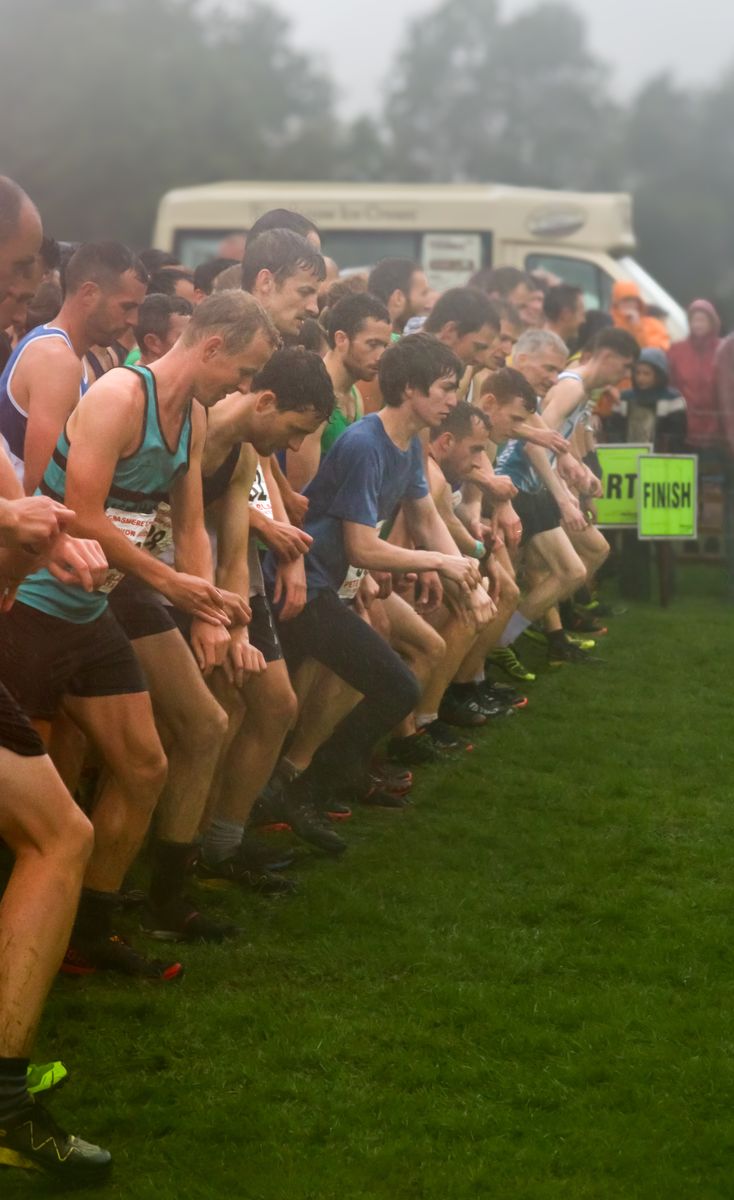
{"x": 127, "y": 98}
{"x": 519, "y": 102}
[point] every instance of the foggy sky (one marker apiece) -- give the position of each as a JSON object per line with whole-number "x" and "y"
{"x": 638, "y": 37}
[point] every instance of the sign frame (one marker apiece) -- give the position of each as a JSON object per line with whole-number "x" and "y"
{"x": 670, "y": 537}
{"x": 645, "y": 448}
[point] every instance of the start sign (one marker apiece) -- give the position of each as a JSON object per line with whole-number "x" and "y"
{"x": 617, "y": 508}
{"x": 668, "y": 496}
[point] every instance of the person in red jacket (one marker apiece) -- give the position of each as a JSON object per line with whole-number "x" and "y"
{"x": 693, "y": 372}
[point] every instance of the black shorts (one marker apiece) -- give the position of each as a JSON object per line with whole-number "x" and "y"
{"x": 16, "y": 732}
{"x": 43, "y": 658}
{"x": 140, "y": 611}
{"x": 261, "y": 630}
{"x": 538, "y": 512}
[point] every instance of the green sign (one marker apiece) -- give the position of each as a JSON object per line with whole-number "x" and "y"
{"x": 617, "y": 508}
{"x": 668, "y": 496}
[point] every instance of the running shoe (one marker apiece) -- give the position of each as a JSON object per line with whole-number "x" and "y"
{"x": 34, "y": 1142}
{"x": 114, "y": 953}
{"x": 256, "y": 854}
{"x": 413, "y": 751}
{"x": 296, "y": 808}
{"x": 581, "y": 622}
{"x": 566, "y": 652}
{"x": 535, "y": 634}
{"x": 263, "y": 882}
{"x": 377, "y": 798}
{"x": 445, "y": 738}
{"x": 502, "y": 691}
{"x": 335, "y": 810}
{"x": 45, "y": 1077}
{"x": 180, "y": 921}
{"x": 506, "y": 659}
{"x": 398, "y": 780}
{"x": 578, "y": 639}
{"x": 492, "y": 706}
{"x": 462, "y": 710}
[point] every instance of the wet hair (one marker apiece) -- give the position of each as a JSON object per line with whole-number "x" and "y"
{"x": 282, "y": 218}
{"x": 507, "y": 384}
{"x": 469, "y": 308}
{"x": 534, "y": 341}
{"x": 12, "y": 199}
{"x": 45, "y": 304}
{"x": 391, "y": 275}
{"x": 559, "y": 299}
{"x": 206, "y": 273}
{"x": 594, "y": 322}
{"x": 154, "y": 260}
{"x": 299, "y": 381}
{"x": 163, "y": 282}
{"x": 416, "y": 361}
{"x": 618, "y": 341}
{"x": 460, "y": 420}
{"x": 102, "y": 263}
{"x": 154, "y": 315}
{"x": 313, "y": 336}
{"x": 500, "y": 281}
{"x": 235, "y": 316}
{"x": 229, "y": 280}
{"x": 348, "y": 286}
{"x": 283, "y": 253}
{"x": 349, "y": 315}
{"x": 50, "y": 254}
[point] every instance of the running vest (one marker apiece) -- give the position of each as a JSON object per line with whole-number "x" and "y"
{"x": 339, "y": 421}
{"x": 140, "y": 483}
{"x": 571, "y": 421}
{"x": 13, "y": 418}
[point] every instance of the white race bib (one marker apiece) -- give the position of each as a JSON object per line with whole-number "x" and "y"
{"x": 136, "y": 527}
{"x": 259, "y": 495}
{"x": 350, "y": 587}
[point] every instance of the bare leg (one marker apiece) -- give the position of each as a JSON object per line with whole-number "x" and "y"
{"x": 123, "y": 729}
{"x": 197, "y": 727}
{"x": 51, "y": 840}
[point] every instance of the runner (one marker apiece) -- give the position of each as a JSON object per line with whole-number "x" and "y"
{"x": 48, "y": 835}
{"x": 127, "y": 445}
{"x": 44, "y": 378}
{"x": 374, "y": 465}
{"x": 401, "y": 285}
{"x": 565, "y": 312}
{"x": 161, "y": 321}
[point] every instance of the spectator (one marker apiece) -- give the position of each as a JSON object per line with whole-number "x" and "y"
{"x": 693, "y": 372}
{"x": 651, "y": 410}
{"x": 629, "y": 312}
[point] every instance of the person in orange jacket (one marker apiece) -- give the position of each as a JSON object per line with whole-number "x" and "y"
{"x": 629, "y": 312}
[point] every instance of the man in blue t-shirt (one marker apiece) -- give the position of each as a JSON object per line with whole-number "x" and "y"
{"x": 374, "y": 468}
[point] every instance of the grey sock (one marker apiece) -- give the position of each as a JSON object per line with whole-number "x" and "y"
{"x": 222, "y": 840}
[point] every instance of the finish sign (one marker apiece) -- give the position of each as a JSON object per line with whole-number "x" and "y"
{"x": 668, "y": 496}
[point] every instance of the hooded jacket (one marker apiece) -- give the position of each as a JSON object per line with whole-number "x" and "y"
{"x": 648, "y": 331}
{"x": 656, "y": 414}
{"x": 693, "y": 372}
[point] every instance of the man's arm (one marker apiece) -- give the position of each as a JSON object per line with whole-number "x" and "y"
{"x": 302, "y": 464}
{"x": 560, "y": 402}
{"x": 104, "y": 427}
{"x": 47, "y": 383}
{"x": 441, "y": 493}
{"x": 570, "y": 511}
{"x": 233, "y": 526}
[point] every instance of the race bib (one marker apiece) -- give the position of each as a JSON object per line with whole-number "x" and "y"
{"x": 160, "y": 535}
{"x": 350, "y": 587}
{"x": 136, "y": 527}
{"x": 259, "y": 495}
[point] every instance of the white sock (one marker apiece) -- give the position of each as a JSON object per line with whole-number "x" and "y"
{"x": 425, "y": 719}
{"x": 516, "y": 625}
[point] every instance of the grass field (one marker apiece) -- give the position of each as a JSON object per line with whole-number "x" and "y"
{"x": 520, "y": 989}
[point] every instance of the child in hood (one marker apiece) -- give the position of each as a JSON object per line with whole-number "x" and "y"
{"x": 629, "y": 312}
{"x": 651, "y": 410}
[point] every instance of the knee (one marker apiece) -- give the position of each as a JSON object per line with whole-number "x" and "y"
{"x": 577, "y": 575}
{"x": 205, "y": 729}
{"x": 279, "y": 711}
{"x": 147, "y": 768}
{"x": 435, "y": 647}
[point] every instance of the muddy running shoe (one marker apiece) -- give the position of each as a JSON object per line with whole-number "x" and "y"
{"x": 413, "y": 751}
{"x": 33, "y": 1141}
{"x": 233, "y": 871}
{"x": 506, "y": 659}
{"x": 446, "y": 739}
{"x": 578, "y": 639}
{"x": 581, "y": 622}
{"x": 501, "y": 691}
{"x": 114, "y": 953}
{"x": 388, "y": 778}
{"x": 461, "y": 709}
{"x": 181, "y": 921}
{"x": 564, "y": 651}
{"x": 377, "y": 798}
{"x": 45, "y": 1077}
{"x": 258, "y": 854}
{"x": 295, "y": 807}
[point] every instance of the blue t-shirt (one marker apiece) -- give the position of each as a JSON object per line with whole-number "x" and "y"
{"x": 514, "y": 462}
{"x": 362, "y": 479}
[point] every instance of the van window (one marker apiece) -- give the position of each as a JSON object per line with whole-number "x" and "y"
{"x": 352, "y": 248}
{"x": 594, "y": 283}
